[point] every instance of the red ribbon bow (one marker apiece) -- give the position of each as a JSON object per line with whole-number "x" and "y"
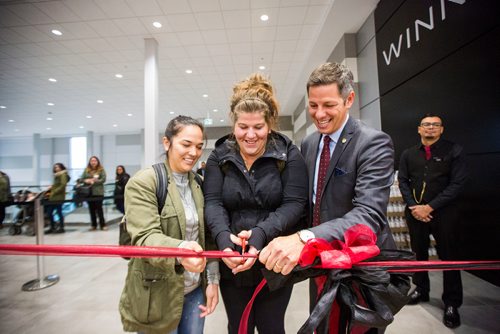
{"x": 359, "y": 245}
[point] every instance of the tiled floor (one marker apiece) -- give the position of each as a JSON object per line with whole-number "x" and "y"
{"x": 86, "y": 297}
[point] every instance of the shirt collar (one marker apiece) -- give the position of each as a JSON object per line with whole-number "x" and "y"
{"x": 336, "y": 135}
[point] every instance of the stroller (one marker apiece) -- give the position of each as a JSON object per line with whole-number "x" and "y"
{"x": 25, "y": 200}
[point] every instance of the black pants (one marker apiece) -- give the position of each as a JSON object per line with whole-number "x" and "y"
{"x": 120, "y": 205}
{"x": 50, "y": 210}
{"x": 443, "y": 227}
{"x": 268, "y": 311}
{"x": 2, "y": 212}
{"x": 95, "y": 209}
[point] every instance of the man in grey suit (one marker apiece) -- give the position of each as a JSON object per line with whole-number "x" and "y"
{"x": 355, "y": 189}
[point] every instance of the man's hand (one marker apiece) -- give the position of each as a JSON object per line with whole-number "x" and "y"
{"x": 193, "y": 264}
{"x": 282, "y": 254}
{"x": 212, "y": 300}
{"x": 422, "y": 212}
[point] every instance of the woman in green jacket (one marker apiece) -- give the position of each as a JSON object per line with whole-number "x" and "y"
{"x": 57, "y": 194}
{"x": 169, "y": 295}
{"x": 95, "y": 176}
{"x": 5, "y": 195}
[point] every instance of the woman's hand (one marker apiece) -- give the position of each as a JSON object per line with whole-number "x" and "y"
{"x": 231, "y": 262}
{"x": 247, "y": 263}
{"x": 193, "y": 264}
{"x": 212, "y": 300}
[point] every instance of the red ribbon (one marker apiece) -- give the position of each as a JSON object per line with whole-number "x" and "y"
{"x": 117, "y": 251}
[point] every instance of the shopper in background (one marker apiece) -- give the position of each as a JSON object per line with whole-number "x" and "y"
{"x": 5, "y": 195}
{"x": 121, "y": 180}
{"x": 95, "y": 176}
{"x": 350, "y": 168}
{"x": 431, "y": 176}
{"x": 201, "y": 170}
{"x": 57, "y": 195}
{"x": 255, "y": 188}
{"x": 166, "y": 295}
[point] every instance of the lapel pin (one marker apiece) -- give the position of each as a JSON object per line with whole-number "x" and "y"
{"x": 344, "y": 140}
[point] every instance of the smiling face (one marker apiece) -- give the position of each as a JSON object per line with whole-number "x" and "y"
{"x": 251, "y": 131}
{"x": 184, "y": 149}
{"x": 327, "y": 108}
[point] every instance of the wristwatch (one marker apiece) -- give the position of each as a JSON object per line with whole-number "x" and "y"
{"x": 305, "y": 235}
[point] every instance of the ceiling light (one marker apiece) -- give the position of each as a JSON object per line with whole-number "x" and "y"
{"x": 3, "y": 107}
{"x": 50, "y": 104}
{"x": 56, "y": 32}
{"x": 171, "y": 113}
{"x": 100, "y": 101}
{"x": 215, "y": 110}
{"x": 119, "y": 76}
{"x": 264, "y": 17}
{"x": 222, "y": 121}
{"x": 129, "y": 115}
{"x": 262, "y": 67}
{"x": 157, "y": 24}
{"x": 52, "y": 80}
{"x": 205, "y": 95}
{"x": 81, "y": 127}
{"x": 16, "y": 130}
{"x": 115, "y": 125}
{"x": 88, "y": 116}
{"x": 49, "y": 118}
{"x": 11, "y": 121}
{"x": 189, "y": 71}
{"x": 49, "y": 128}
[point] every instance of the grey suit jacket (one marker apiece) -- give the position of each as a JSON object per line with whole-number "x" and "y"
{"x": 357, "y": 185}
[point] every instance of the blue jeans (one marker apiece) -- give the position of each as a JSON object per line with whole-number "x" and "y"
{"x": 191, "y": 323}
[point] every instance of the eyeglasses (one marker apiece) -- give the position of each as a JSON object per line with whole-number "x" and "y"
{"x": 428, "y": 125}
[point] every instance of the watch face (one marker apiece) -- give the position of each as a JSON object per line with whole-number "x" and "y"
{"x": 305, "y": 235}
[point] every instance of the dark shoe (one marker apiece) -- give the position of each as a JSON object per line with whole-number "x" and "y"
{"x": 50, "y": 230}
{"x": 451, "y": 318}
{"x": 60, "y": 230}
{"x": 104, "y": 228}
{"x": 417, "y": 297}
{"x": 93, "y": 228}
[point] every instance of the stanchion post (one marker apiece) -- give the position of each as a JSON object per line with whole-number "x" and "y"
{"x": 42, "y": 281}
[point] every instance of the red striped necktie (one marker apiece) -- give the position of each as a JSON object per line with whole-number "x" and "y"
{"x": 324, "y": 161}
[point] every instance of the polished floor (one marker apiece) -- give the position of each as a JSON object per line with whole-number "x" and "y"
{"x": 85, "y": 299}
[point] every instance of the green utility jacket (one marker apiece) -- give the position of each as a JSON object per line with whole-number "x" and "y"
{"x": 153, "y": 296}
{"x": 98, "y": 186}
{"x": 4, "y": 188}
{"x": 58, "y": 190}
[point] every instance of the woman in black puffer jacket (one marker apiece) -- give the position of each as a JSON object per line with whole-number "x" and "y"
{"x": 255, "y": 187}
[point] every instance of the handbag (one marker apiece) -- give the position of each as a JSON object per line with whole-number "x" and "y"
{"x": 82, "y": 190}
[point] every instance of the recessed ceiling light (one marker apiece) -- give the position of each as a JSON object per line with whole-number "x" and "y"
{"x": 49, "y": 128}
{"x": 52, "y": 80}
{"x": 157, "y": 24}
{"x": 11, "y": 121}
{"x": 222, "y": 121}
{"x": 3, "y": 107}
{"x": 88, "y": 116}
{"x": 49, "y": 118}
{"x": 100, "y": 101}
{"x": 56, "y": 32}
{"x": 118, "y": 75}
{"x": 215, "y": 110}
{"x": 50, "y": 104}
{"x": 172, "y": 112}
{"x": 81, "y": 127}
{"x": 115, "y": 125}
{"x": 205, "y": 95}
{"x": 188, "y": 71}
{"x": 130, "y": 115}
{"x": 16, "y": 130}
{"x": 264, "y": 17}
{"x": 262, "y": 67}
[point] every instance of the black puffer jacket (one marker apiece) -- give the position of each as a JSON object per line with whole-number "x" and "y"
{"x": 268, "y": 199}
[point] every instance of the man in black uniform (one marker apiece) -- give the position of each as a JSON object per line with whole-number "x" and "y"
{"x": 431, "y": 176}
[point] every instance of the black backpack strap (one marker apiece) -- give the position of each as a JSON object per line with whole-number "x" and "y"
{"x": 161, "y": 184}
{"x": 199, "y": 179}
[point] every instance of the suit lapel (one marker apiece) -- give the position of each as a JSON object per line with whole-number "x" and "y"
{"x": 344, "y": 139}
